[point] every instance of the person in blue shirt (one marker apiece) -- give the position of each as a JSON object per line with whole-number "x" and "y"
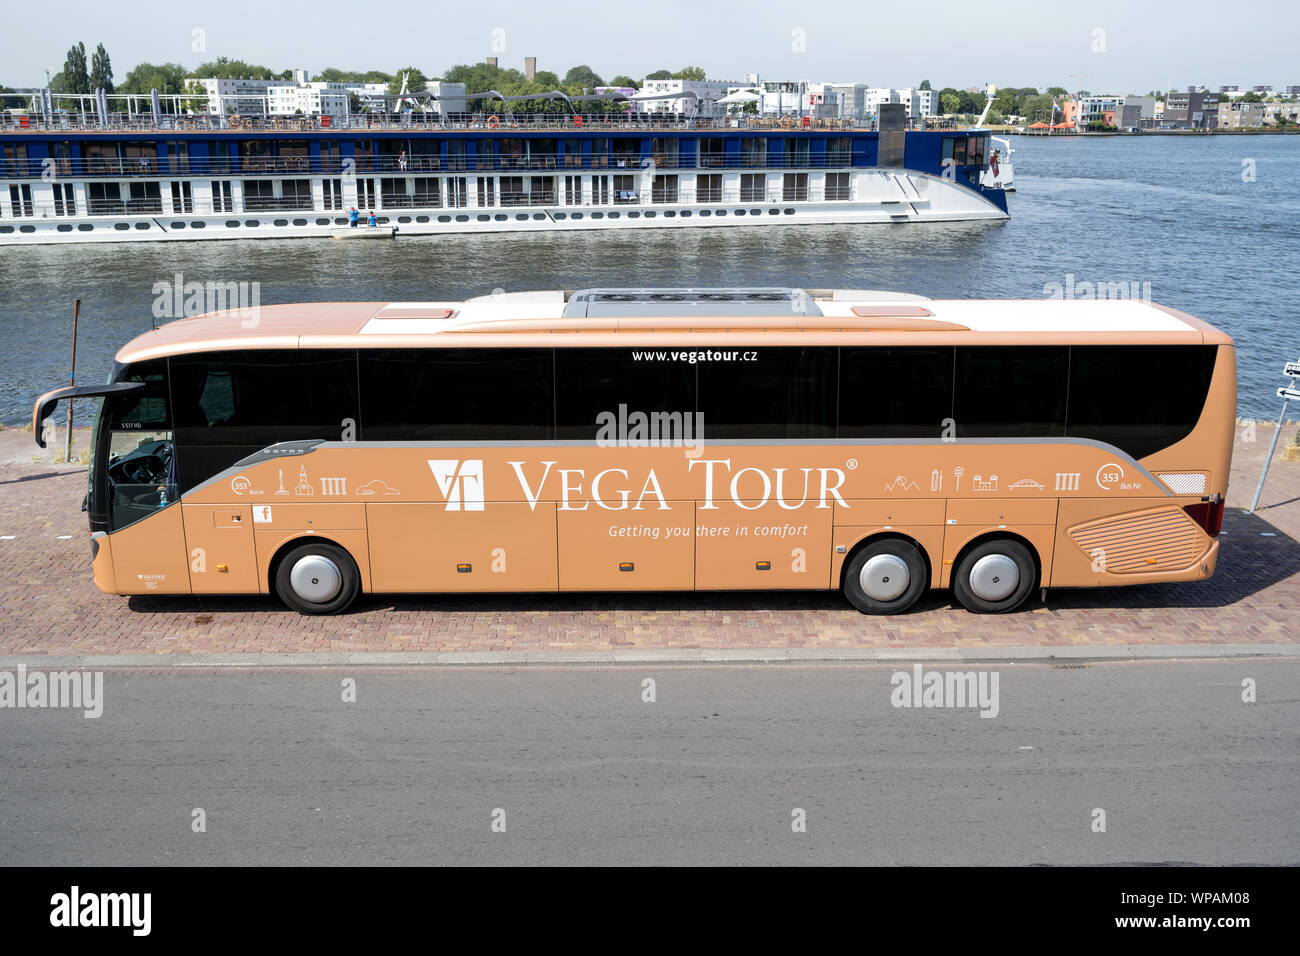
{"x": 353, "y": 216}
{"x": 372, "y": 221}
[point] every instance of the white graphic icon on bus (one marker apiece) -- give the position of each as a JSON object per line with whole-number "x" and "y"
{"x": 461, "y": 482}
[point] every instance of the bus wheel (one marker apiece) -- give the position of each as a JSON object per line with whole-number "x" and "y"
{"x": 317, "y": 578}
{"x": 994, "y": 577}
{"x": 885, "y": 577}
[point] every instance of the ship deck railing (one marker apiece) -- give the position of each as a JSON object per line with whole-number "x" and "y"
{"x": 117, "y": 123}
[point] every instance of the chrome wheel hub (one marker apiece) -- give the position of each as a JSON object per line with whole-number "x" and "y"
{"x": 994, "y": 577}
{"x": 884, "y": 577}
{"x": 316, "y": 578}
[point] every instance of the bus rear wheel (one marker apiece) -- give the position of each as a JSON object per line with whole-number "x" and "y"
{"x": 317, "y": 578}
{"x": 994, "y": 577}
{"x": 885, "y": 577}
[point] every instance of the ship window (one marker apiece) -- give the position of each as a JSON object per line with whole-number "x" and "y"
{"x": 84, "y": 227}
{"x": 444, "y": 218}
{"x": 178, "y": 225}
{"x": 198, "y": 225}
{"x": 64, "y": 227}
{"x": 300, "y": 222}
{"x": 121, "y": 226}
{"x": 142, "y": 225}
{"x": 281, "y": 222}
{"x": 26, "y": 228}
{"x": 232, "y": 223}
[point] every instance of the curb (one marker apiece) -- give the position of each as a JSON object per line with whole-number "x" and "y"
{"x": 793, "y": 655}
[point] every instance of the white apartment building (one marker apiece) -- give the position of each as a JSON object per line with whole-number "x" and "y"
{"x": 707, "y": 91}
{"x": 237, "y": 95}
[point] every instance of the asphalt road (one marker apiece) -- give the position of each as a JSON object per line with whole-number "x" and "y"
{"x": 585, "y": 771}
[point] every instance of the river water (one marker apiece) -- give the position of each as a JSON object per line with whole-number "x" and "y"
{"x": 1212, "y": 224}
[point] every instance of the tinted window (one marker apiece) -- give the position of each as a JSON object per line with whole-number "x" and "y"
{"x": 895, "y": 393}
{"x": 1140, "y": 398}
{"x": 230, "y": 404}
{"x": 592, "y": 381}
{"x": 783, "y": 393}
{"x": 456, "y": 394}
{"x": 1011, "y": 392}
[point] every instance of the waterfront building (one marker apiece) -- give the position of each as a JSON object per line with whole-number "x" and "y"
{"x": 707, "y": 93}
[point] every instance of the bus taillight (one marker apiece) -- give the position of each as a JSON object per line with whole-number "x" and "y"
{"x": 1208, "y": 514}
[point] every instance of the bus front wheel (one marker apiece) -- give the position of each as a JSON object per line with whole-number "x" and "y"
{"x": 317, "y": 578}
{"x": 994, "y": 577}
{"x": 885, "y": 577}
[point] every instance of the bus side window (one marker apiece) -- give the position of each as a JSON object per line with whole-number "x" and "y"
{"x": 1011, "y": 391}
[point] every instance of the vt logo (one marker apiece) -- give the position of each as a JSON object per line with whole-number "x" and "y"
{"x": 461, "y": 483}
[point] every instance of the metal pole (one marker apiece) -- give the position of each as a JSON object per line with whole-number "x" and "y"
{"x": 72, "y": 377}
{"x": 1272, "y": 447}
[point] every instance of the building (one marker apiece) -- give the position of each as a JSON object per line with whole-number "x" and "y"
{"x": 326, "y": 99}
{"x": 1191, "y": 111}
{"x": 1101, "y": 110}
{"x": 237, "y": 95}
{"x": 707, "y": 93}
{"x": 1234, "y": 114}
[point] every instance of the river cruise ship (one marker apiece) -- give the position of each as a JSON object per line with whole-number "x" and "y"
{"x": 225, "y": 177}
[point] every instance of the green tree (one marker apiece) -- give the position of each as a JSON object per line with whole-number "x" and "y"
{"x": 101, "y": 70}
{"x": 75, "y": 77}
{"x": 198, "y": 100}
{"x": 925, "y": 85}
{"x": 583, "y": 76}
{"x": 163, "y": 77}
{"x": 332, "y": 75}
{"x": 622, "y": 80}
{"x": 1056, "y": 91}
{"x": 660, "y": 75}
{"x": 1251, "y": 97}
{"x": 224, "y": 68}
{"x": 949, "y": 103}
{"x": 694, "y": 73}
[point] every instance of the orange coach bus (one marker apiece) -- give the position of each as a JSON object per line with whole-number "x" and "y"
{"x": 663, "y": 439}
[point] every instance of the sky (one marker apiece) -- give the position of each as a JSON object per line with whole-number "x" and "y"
{"x": 1102, "y": 46}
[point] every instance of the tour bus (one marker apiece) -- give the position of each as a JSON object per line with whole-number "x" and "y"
{"x": 877, "y": 443}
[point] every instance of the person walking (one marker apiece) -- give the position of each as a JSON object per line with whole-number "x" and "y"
{"x": 372, "y": 221}
{"x": 353, "y": 216}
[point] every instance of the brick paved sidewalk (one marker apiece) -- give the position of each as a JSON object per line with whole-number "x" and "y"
{"x": 49, "y": 604}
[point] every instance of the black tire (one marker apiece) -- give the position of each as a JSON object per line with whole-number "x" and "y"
{"x": 312, "y": 590}
{"x": 871, "y": 579}
{"x": 992, "y": 563}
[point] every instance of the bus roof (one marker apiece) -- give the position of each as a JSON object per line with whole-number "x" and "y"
{"x": 676, "y": 317}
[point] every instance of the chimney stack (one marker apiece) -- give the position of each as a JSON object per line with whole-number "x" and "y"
{"x": 530, "y": 68}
